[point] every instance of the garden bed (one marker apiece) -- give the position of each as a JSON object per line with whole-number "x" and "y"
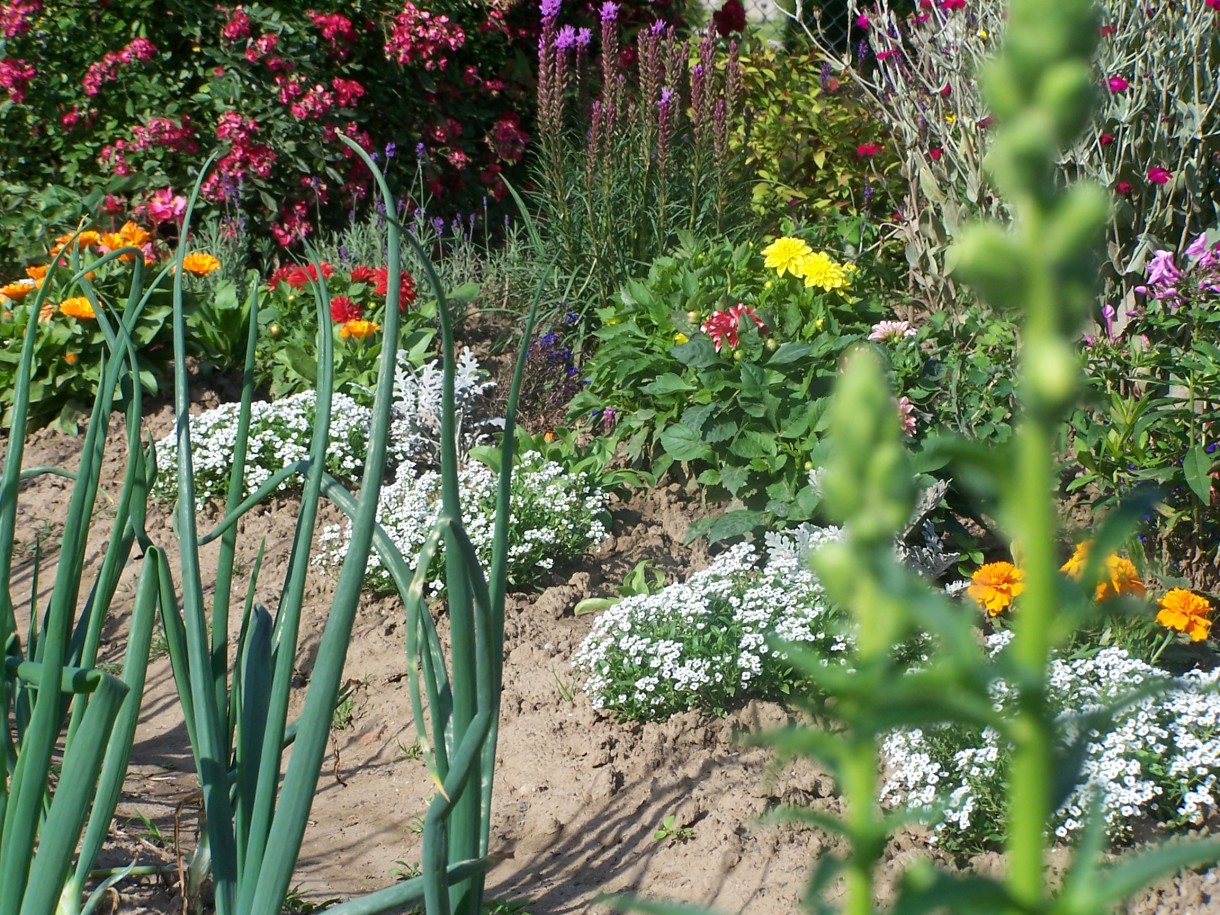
{"x": 580, "y": 798}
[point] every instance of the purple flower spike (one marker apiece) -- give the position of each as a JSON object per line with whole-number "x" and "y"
{"x": 566, "y": 38}
{"x": 584, "y": 37}
{"x": 550, "y": 9}
{"x": 609, "y": 11}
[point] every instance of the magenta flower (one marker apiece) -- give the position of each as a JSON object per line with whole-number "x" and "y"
{"x": 862, "y": 21}
{"x": 1117, "y": 84}
{"x": 1199, "y": 251}
{"x": 1106, "y": 139}
{"x": 1159, "y": 175}
{"x": 1161, "y": 270}
{"x": 1124, "y": 188}
{"x": 868, "y": 150}
{"x": 166, "y": 206}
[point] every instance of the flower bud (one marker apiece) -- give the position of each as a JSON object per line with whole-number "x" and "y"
{"x": 275, "y": 331}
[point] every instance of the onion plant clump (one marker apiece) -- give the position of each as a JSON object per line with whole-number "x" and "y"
{"x": 68, "y": 725}
{"x": 1159, "y": 763}
{"x": 557, "y": 515}
{"x": 704, "y": 643}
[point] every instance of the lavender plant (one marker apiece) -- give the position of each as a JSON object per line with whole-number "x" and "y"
{"x": 627, "y": 160}
{"x": 1152, "y": 141}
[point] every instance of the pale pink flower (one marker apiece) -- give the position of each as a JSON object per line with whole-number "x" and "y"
{"x": 906, "y": 415}
{"x": 891, "y": 331}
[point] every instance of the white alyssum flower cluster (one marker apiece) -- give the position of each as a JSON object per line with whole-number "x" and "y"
{"x": 278, "y": 436}
{"x": 556, "y": 515}
{"x": 280, "y": 432}
{"x": 1158, "y": 762}
{"x": 704, "y": 643}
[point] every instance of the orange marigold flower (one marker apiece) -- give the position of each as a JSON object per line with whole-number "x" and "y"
{"x": 77, "y": 307}
{"x": 200, "y": 263}
{"x": 113, "y": 240}
{"x": 358, "y": 329}
{"x": 133, "y": 234}
{"x": 46, "y": 313}
{"x": 88, "y": 239}
{"x": 18, "y": 289}
{"x": 1074, "y": 567}
{"x": 71, "y": 358}
{"x": 37, "y": 273}
{"x": 1120, "y": 578}
{"x": 995, "y": 585}
{"x": 1185, "y": 611}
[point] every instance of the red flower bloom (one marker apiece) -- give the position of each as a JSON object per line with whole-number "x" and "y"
{"x": 1159, "y": 175}
{"x": 406, "y": 286}
{"x": 1106, "y": 139}
{"x": 722, "y": 325}
{"x": 1124, "y": 188}
{"x": 343, "y": 309}
{"x": 868, "y": 150}
{"x": 1107, "y": 30}
{"x": 730, "y": 18}
{"x": 1117, "y": 84}
{"x": 363, "y": 274}
{"x": 936, "y": 152}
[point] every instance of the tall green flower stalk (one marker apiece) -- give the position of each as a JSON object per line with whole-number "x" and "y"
{"x": 51, "y": 691}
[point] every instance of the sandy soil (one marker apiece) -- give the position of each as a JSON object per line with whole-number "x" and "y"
{"x": 579, "y": 796}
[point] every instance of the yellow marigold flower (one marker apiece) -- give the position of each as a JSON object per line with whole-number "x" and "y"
{"x": 46, "y": 313}
{"x": 784, "y": 255}
{"x": 819, "y": 269}
{"x": 200, "y": 263}
{"x": 133, "y": 234}
{"x": 77, "y": 307}
{"x": 88, "y": 239}
{"x": 18, "y": 289}
{"x": 36, "y": 273}
{"x": 1120, "y": 578}
{"x": 1185, "y": 611}
{"x": 358, "y": 329}
{"x": 113, "y": 240}
{"x": 680, "y": 337}
{"x": 994, "y": 586}
{"x": 1074, "y": 567}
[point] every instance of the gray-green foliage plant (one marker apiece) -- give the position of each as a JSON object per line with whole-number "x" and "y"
{"x": 1156, "y": 68}
{"x": 1041, "y": 90}
{"x": 55, "y": 810}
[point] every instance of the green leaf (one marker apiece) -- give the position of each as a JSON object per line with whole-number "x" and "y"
{"x": 684, "y": 444}
{"x": 734, "y": 524}
{"x": 733, "y": 477}
{"x": 698, "y": 353}
{"x": 788, "y": 353}
{"x": 669, "y": 383}
{"x": 1197, "y": 465}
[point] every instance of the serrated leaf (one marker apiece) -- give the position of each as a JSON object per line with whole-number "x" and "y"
{"x": 684, "y": 444}
{"x": 734, "y": 524}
